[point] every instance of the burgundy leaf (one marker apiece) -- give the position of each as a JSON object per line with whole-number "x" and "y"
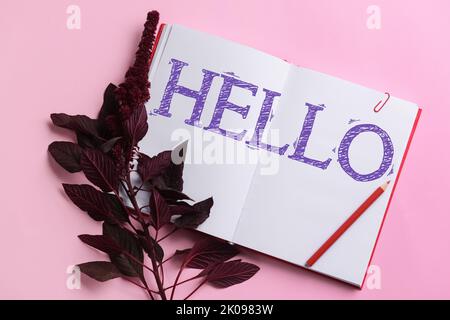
{"x": 87, "y": 198}
{"x": 152, "y": 248}
{"x": 99, "y": 169}
{"x": 137, "y": 213}
{"x": 229, "y": 273}
{"x": 78, "y": 123}
{"x": 100, "y": 270}
{"x": 108, "y": 110}
{"x": 204, "y": 206}
{"x": 159, "y": 210}
{"x": 170, "y": 178}
{"x": 66, "y": 154}
{"x": 136, "y": 126}
{"x": 173, "y": 177}
{"x": 102, "y": 243}
{"x": 207, "y": 252}
{"x": 173, "y": 195}
{"x": 128, "y": 243}
{"x": 151, "y": 167}
{"x": 108, "y": 145}
{"x": 119, "y": 212}
{"x": 110, "y": 105}
{"x": 199, "y": 213}
{"x": 180, "y": 208}
{"x": 181, "y": 252}
{"x": 99, "y": 205}
{"x": 86, "y": 141}
{"x": 191, "y": 220}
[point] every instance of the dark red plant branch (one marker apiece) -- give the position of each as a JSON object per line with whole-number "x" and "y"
{"x": 106, "y": 151}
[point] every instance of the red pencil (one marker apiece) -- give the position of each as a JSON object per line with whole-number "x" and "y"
{"x": 339, "y": 232}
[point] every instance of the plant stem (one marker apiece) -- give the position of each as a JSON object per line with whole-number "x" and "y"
{"x": 198, "y": 287}
{"x": 137, "y": 261}
{"x": 132, "y": 196}
{"x": 168, "y": 234}
{"x": 162, "y": 273}
{"x": 162, "y": 293}
{"x": 176, "y": 281}
{"x": 160, "y": 266}
{"x": 137, "y": 284}
{"x": 164, "y": 261}
{"x": 125, "y": 188}
{"x": 149, "y": 291}
{"x": 181, "y": 282}
{"x": 147, "y": 288}
{"x": 124, "y": 207}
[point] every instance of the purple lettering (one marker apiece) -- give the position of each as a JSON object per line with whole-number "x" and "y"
{"x": 302, "y": 142}
{"x": 266, "y": 108}
{"x": 388, "y": 152}
{"x": 223, "y": 103}
{"x": 173, "y": 87}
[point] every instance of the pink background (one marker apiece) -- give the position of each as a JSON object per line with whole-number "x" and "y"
{"x": 47, "y": 68}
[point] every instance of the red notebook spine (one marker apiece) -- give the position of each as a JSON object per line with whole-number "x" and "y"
{"x": 155, "y": 44}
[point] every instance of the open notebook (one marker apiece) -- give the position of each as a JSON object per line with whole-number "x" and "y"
{"x": 287, "y": 153}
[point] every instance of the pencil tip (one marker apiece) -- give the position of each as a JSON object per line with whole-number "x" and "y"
{"x": 385, "y": 185}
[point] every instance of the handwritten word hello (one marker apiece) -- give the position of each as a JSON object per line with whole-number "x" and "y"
{"x": 223, "y": 104}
